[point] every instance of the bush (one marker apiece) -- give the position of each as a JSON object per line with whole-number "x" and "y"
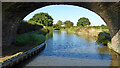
{"x": 24, "y": 27}
{"x": 103, "y": 38}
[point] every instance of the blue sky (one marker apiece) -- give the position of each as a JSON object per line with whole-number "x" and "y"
{"x": 68, "y": 12}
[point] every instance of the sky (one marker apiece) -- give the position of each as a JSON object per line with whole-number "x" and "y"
{"x": 68, "y": 12}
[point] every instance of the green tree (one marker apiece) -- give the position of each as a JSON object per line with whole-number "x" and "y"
{"x": 102, "y": 25}
{"x": 68, "y": 24}
{"x": 42, "y": 18}
{"x": 56, "y": 26}
{"x": 103, "y": 38}
{"x": 83, "y": 22}
{"x": 59, "y": 23}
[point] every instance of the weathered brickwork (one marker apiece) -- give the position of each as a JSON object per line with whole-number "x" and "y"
{"x": 116, "y": 42}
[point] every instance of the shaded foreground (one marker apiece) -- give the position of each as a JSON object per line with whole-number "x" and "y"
{"x": 24, "y": 42}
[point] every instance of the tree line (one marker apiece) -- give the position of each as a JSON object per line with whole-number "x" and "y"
{"x": 81, "y": 22}
{"x": 45, "y": 19}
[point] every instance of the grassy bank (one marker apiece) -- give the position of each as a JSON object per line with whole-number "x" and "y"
{"x": 24, "y": 42}
{"x": 99, "y": 33}
{"x": 31, "y": 38}
{"x": 85, "y": 30}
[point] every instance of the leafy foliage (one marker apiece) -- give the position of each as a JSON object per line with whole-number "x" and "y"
{"x": 83, "y": 22}
{"x": 103, "y": 38}
{"x": 102, "y": 25}
{"x": 68, "y": 24}
{"x": 25, "y": 26}
{"x": 56, "y": 26}
{"x": 59, "y": 23}
{"x": 42, "y": 19}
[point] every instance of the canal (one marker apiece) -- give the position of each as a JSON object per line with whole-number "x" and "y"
{"x": 65, "y": 49}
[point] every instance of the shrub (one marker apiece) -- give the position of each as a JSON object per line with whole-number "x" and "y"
{"x": 103, "y": 38}
{"x": 24, "y": 27}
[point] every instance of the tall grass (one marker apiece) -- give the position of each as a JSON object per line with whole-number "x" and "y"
{"x": 37, "y": 39}
{"x": 23, "y": 39}
{"x": 33, "y": 38}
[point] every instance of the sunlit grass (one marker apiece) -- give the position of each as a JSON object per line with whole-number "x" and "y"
{"x": 101, "y": 33}
{"x": 106, "y": 30}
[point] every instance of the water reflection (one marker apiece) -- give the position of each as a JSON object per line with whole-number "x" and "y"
{"x": 69, "y": 49}
{"x": 57, "y": 31}
{"x": 87, "y": 37}
{"x": 65, "y": 44}
{"x": 50, "y": 35}
{"x": 115, "y": 58}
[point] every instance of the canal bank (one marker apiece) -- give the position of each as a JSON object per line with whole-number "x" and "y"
{"x": 94, "y": 36}
{"x": 21, "y": 57}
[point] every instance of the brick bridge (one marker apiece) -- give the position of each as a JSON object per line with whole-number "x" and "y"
{"x": 14, "y": 12}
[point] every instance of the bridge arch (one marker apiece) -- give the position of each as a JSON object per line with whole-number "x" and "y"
{"x": 14, "y": 12}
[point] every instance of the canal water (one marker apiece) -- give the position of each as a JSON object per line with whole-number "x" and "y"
{"x": 65, "y": 49}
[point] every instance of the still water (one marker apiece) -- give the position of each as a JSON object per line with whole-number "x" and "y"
{"x": 64, "y": 49}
